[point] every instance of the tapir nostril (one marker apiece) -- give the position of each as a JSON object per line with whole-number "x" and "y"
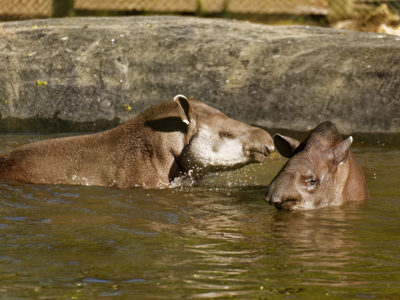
{"x": 275, "y": 199}
{"x": 268, "y": 149}
{"x": 272, "y": 199}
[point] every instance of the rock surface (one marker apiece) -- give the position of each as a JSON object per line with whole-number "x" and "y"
{"x": 93, "y": 73}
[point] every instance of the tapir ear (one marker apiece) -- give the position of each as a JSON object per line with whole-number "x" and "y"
{"x": 341, "y": 152}
{"x": 285, "y": 145}
{"x": 186, "y": 110}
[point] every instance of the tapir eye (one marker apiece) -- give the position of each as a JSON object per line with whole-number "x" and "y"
{"x": 311, "y": 182}
{"x": 225, "y": 134}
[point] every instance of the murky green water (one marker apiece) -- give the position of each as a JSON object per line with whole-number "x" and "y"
{"x": 217, "y": 240}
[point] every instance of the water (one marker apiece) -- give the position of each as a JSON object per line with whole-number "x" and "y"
{"x": 215, "y": 240}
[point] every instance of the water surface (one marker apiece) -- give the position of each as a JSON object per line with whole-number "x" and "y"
{"x": 215, "y": 240}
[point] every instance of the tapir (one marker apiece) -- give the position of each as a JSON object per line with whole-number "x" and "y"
{"x": 167, "y": 141}
{"x": 321, "y": 171}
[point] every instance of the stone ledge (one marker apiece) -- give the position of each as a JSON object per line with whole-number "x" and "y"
{"x": 82, "y": 70}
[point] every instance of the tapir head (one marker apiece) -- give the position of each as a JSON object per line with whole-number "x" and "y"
{"x": 217, "y": 142}
{"x": 312, "y": 177}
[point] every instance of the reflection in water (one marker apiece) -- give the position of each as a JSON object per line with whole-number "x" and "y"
{"x": 212, "y": 246}
{"x": 319, "y": 232}
{"x": 322, "y": 240}
{"x": 219, "y": 239}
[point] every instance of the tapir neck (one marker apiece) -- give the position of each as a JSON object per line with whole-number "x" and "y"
{"x": 156, "y": 151}
{"x": 339, "y": 193}
{"x": 349, "y": 183}
{"x": 356, "y": 188}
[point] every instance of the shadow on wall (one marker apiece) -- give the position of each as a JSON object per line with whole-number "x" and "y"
{"x": 54, "y": 125}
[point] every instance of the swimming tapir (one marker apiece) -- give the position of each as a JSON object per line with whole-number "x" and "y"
{"x": 167, "y": 141}
{"x": 321, "y": 171}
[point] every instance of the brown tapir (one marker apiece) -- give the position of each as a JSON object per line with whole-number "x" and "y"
{"x": 165, "y": 142}
{"x": 321, "y": 172}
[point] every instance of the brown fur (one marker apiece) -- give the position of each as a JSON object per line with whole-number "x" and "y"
{"x": 143, "y": 152}
{"x": 321, "y": 172}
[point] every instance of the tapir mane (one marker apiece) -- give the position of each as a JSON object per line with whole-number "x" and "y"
{"x": 170, "y": 108}
{"x": 162, "y": 109}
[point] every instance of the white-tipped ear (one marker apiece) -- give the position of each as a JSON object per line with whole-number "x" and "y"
{"x": 285, "y": 145}
{"x": 341, "y": 152}
{"x": 184, "y": 108}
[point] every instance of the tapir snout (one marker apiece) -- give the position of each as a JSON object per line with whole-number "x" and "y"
{"x": 259, "y": 144}
{"x": 282, "y": 194}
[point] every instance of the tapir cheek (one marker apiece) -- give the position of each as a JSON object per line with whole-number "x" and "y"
{"x": 310, "y": 188}
{"x": 208, "y": 150}
{"x": 215, "y": 148}
{"x": 288, "y": 205}
{"x": 314, "y": 200}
